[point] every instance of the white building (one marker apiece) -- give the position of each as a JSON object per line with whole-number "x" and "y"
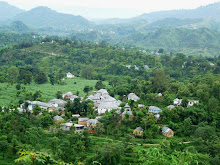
{"x": 192, "y": 102}
{"x": 78, "y": 128}
{"x": 104, "y": 102}
{"x": 69, "y": 75}
{"x": 177, "y": 102}
{"x": 133, "y": 96}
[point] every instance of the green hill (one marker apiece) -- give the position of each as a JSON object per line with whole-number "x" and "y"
{"x": 45, "y": 17}
{"x": 178, "y": 39}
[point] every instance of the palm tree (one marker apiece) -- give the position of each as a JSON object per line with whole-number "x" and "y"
{"x": 34, "y": 158}
{"x": 31, "y": 157}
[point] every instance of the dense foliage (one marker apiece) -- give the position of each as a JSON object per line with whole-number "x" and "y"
{"x": 39, "y": 140}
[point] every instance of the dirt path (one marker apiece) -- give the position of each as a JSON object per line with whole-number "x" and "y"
{"x": 145, "y": 144}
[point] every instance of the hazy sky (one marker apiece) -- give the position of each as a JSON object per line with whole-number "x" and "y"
{"x": 110, "y": 8}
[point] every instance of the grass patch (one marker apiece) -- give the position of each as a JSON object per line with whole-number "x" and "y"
{"x": 48, "y": 91}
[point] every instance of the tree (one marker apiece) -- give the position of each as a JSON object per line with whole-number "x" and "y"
{"x": 59, "y": 95}
{"x": 52, "y": 79}
{"x": 160, "y": 82}
{"x": 161, "y": 51}
{"x": 18, "y": 86}
{"x": 13, "y": 74}
{"x": 3, "y": 145}
{"x": 46, "y": 120}
{"x": 31, "y": 157}
{"x": 184, "y": 103}
{"x": 87, "y": 72}
{"x": 206, "y": 133}
{"x": 25, "y": 76}
{"x": 111, "y": 154}
{"x": 36, "y": 110}
{"x": 86, "y": 90}
{"x": 40, "y": 78}
{"x": 99, "y": 85}
{"x": 37, "y": 95}
{"x": 90, "y": 110}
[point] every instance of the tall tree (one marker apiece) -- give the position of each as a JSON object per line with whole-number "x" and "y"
{"x": 160, "y": 82}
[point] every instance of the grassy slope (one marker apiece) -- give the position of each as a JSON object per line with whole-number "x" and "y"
{"x": 8, "y": 92}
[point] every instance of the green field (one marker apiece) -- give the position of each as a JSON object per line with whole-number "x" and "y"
{"x": 8, "y": 92}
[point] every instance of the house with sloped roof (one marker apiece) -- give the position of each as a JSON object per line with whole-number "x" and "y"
{"x": 76, "y": 115}
{"x": 127, "y": 107}
{"x": 167, "y": 132}
{"x": 170, "y": 107}
{"x": 133, "y": 96}
{"x": 146, "y": 67}
{"x": 77, "y": 127}
{"x": 159, "y": 95}
{"x": 153, "y": 109}
{"x": 67, "y": 95}
{"x": 157, "y": 116}
{"x": 42, "y": 105}
{"x": 192, "y": 102}
{"x": 69, "y": 75}
{"x": 127, "y": 112}
{"x": 138, "y": 131}
{"x": 136, "y": 68}
{"x": 83, "y": 121}
{"x": 58, "y": 103}
{"x": 103, "y": 107}
{"x": 91, "y": 123}
{"x": 177, "y": 102}
{"x": 58, "y": 118}
{"x": 141, "y": 106}
{"x": 103, "y": 101}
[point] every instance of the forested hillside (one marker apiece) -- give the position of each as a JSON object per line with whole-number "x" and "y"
{"x": 139, "y": 91}
{"x": 193, "y": 32}
{"x": 28, "y": 66}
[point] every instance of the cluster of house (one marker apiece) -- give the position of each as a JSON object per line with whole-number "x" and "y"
{"x": 53, "y": 105}
{"x": 165, "y": 131}
{"x": 103, "y": 102}
{"x": 83, "y": 123}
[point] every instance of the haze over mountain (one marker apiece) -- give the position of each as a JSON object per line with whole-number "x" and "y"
{"x": 174, "y": 30}
{"x": 210, "y": 12}
{"x": 8, "y": 11}
{"x": 45, "y": 17}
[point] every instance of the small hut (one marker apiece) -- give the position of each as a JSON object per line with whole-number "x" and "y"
{"x": 83, "y": 121}
{"x": 138, "y": 131}
{"x": 167, "y": 132}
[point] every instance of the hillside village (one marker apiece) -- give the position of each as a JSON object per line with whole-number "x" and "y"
{"x": 102, "y": 103}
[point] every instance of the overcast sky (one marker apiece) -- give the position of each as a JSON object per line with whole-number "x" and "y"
{"x": 110, "y": 8}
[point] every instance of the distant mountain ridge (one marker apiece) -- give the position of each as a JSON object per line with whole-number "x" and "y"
{"x": 8, "y": 11}
{"x": 46, "y": 17}
{"x": 211, "y": 12}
